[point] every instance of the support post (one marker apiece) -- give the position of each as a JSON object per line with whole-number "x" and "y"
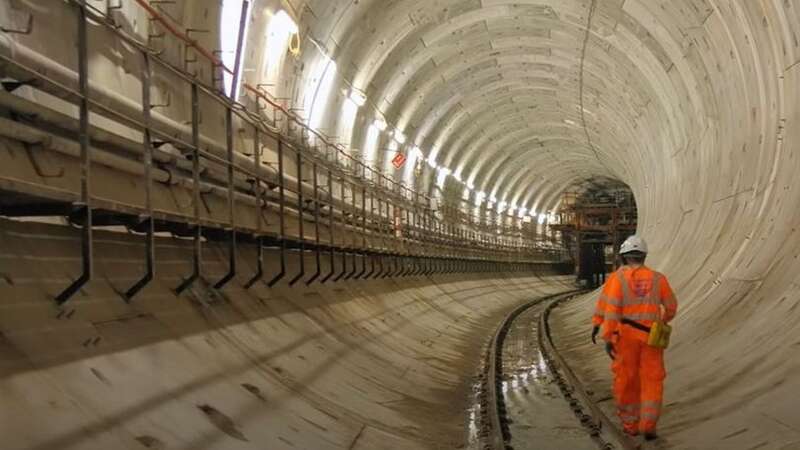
{"x": 300, "y": 208}
{"x": 231, "y": 200}
{"x": 317, "y": 250}
{"x": 259, "y": 205}
{"x": 281, "y": 216}
{"x": 197, "y": 248}
{"x": 84, "y": 207}
{"x": 147, "y": 142}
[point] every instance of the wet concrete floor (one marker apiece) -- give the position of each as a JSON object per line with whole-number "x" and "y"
{"x": 540, "y": 416}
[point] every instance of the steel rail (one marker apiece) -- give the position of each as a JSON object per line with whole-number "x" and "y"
{"x": 493, "y": 410}
{"x": 601, "y": 426}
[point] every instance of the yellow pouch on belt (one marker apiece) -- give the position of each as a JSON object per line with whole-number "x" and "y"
{"x": 659, "y": 335}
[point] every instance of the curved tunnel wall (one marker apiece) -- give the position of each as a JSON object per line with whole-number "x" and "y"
{"x": 690, "y": 102}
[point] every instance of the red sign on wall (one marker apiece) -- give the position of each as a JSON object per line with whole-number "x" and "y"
{"x": 398, "y": 160}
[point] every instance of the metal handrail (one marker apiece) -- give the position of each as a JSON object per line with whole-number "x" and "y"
{"x": 427, "y": 229}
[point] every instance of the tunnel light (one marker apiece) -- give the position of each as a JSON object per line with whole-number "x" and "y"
{"x": 393, "y": 145}
{"x": 432, "y": 161}
{"x": 471, "y": 186}
{"x": 457, "y": 176}
{"x": 417, "y": 154}
{"x": 399, "y": 137}
{"x": 347, "y": 118}
{"x": 442, "y": 176}
{"x": 380, "y": 124}
{"x": 358, "y": 97}
{"x": 229, "y": 37}
{"x": 542, "y": 218}
{"x": 522, "y": 212}
{"x": 371, "y": 143}
{"x": 281, "y": 33}
{"x": 282, "y": 24}
{"x": 570, "y": 122}
{"x": 324, "y": 76}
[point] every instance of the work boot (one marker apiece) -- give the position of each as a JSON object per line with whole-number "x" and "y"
{"x": 650, "y": 436}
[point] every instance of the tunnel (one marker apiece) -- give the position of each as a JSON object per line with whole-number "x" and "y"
{"x": 302, "y": 224}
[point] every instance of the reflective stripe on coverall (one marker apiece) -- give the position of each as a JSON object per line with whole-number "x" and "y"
{"x": 639, "y": 295}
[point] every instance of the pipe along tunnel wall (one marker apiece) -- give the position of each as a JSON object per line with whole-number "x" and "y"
{"x": 380, "y": 364}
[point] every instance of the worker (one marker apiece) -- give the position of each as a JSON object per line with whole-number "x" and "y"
{"x": 633, "y": 299}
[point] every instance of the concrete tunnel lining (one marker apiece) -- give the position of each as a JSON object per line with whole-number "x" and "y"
{"x": 686, "y": 101}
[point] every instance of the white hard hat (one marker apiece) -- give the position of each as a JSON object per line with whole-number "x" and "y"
{"x": 633, "y": 244}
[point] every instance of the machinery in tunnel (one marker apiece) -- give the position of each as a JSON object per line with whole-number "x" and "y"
{"x": 316, "y": 224}
{"x": 592, "y": 221}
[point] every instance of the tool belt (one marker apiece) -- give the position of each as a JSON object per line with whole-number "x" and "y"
{"x": 636, "y": 325}
{"x": 657, "y": 336}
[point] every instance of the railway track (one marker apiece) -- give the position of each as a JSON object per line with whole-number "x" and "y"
{"x": 527, "y": 389}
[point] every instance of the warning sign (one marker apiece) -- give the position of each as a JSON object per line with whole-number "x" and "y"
{"x": 398, "y": 160}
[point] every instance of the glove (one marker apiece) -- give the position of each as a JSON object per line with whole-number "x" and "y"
{"x": 610, "y": 350}
{"x": 595, "y": 330}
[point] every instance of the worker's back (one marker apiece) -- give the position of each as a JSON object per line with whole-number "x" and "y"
{"x": 635, "y": 297}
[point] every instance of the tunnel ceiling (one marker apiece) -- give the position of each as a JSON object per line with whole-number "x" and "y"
{"x": 515, "y": 96}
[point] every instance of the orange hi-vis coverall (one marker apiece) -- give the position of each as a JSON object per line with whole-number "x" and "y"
{"x": 631, "y": 301}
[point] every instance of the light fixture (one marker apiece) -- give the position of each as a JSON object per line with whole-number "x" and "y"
{"x": 283, "y": 24}
{"x": 570, "y": 122}
{"x": 358, "y": 97}
{"x": 442, "y": 176}
{"x": 431, "y": 161}
{"x": 229, "y": 33}
{"x": 399, "y": 137}
{"x": 326, "y": 76}
{"x": 417, "y": 152}
{"x": 380, "y": 124}
{"x": 282, "y": 34}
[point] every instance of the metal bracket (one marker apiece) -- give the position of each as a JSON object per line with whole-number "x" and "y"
{"x": 27, "y": 30}
{"x": 13, "y": 85}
